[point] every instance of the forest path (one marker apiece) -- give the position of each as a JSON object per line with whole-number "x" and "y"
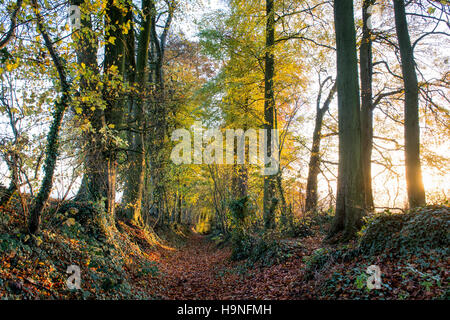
{"x": 200, "y": 270}
{"x": 193, "y": 271}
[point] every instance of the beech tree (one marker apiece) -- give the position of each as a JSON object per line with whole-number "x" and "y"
{"x": 414, "y": 181}
{"x": 366, "y": 72}
{"x": 139, "y": 78}
{"x": 350, "y": 187}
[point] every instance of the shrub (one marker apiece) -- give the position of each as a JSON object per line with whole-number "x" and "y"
{"x": 242, "y": 245}
{"x": 262, "y": 249}
{"x": 317, "y": 260}
{"x": 421, "y": 228}
{"x": 295, "y": 227}
{"x": 149, "y": 268}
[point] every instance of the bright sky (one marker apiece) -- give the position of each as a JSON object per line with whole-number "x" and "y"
{"x": 186, "y": 22}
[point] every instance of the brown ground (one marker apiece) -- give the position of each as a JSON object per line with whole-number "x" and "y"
{"x": 199, "y": 270}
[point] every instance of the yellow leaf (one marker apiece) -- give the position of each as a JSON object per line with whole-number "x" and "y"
{"x": 113, "y": 68}
{"x": 9, "y": 67}
{"x": 69, "y": 222}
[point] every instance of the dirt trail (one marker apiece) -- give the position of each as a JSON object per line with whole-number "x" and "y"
{"x": 199, "y": 270}
{"x": 193, "y": 271}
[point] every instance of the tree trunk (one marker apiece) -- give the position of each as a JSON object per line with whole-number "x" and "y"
{"x": 86, "y": 52}
{"x": 158, "y": 122}
{"x": 136, "y": 175}
{"x": 314, "y": 161}
{"x": 158, "y": 127}
{"x": 240, "y": 181}
{"x": 366, "y": 71}
{"x": 350, "y": 185}
{"x": 52, "y": 148}
{"x": 106, "y": 157}
{"x": 179, "y": 208}
{"x": 99, "y": 181}
{"x": 269, "y": 114}
{"x": 414, "y": 182}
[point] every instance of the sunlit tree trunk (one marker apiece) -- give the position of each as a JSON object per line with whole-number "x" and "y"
{"x": 350, "y": 185}
{"x": 105, "y": 160}
{"x": 414, "y": 182}
{"x": 366, "y": 71}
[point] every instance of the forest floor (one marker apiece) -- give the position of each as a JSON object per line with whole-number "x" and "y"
{"x": 200, "y": 270}
{"x": 186, "y": 265}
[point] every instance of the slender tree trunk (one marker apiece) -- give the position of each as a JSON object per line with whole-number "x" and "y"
{"x": 366, "y": 71}
{"x": 130, "y": 71}
{"x": 240, "y": 180}
{"x": 136, "y": 176}
{"x": 269, "y": 113}
{"x": 314, "y": 160}
{"x": 240, "y": 174}
{"x": 414, "y": 182}
{"x": 52, "y": 148}
{"x": 158, "y": 130}
{"x": 6, "y": 38}
{"x": 350, "y": 186}
{"x": 280, "y": 191}
{"x": 179, "y": 208}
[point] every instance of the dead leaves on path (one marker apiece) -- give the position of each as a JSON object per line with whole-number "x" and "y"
{"x": 201, "y": 271}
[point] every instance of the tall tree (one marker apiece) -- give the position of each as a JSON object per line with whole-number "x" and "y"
{"x": 366, "y": 72}
{"x": 158, "y": 157}
{"x": 414, "y": 182}
{"x": 102, "y": 158}
{"x": 314, "y": 160}
{"x": 136, "y": 175}
{"x": 86, "y": 47}
{"x": 269, "y": 112}
{"x": 104, "y": 111}
{"x": 53, "y": 138}
{"x": 350, "y": 185}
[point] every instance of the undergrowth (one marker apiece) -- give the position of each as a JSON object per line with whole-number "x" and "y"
{"x": 35, "y": 267}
